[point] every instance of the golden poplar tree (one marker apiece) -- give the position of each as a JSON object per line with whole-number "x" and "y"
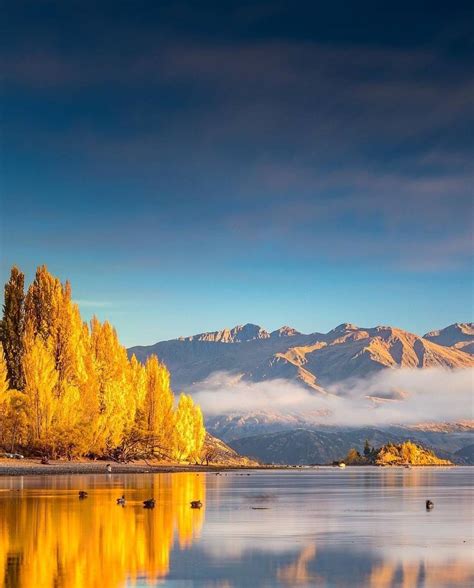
{"x": 12, "y": 410}
{"x": 41, "y": 308}
{"x": 113, "y": 384}
{"x": 138, "y": 390}
{"x": 158, "y": 421}
{"x": 199, "y": 432}
{"x": 12, "y": 326}
{"x": 184, "y": 428}
{"x": 4, "y": 384}
{"x": 41, "y": 378}
{"x": 4, "y": 391}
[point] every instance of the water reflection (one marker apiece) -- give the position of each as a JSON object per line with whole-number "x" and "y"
{"x": 358, "y": 527}
{"x": 50, "y": 538}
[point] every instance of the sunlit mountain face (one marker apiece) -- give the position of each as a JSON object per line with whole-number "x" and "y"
{"x": 315, "y": 360}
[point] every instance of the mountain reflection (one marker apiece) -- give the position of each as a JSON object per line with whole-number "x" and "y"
{"x": 49, "y": 538}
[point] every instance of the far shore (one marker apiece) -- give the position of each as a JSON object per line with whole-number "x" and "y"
{"x": 34, "y": 467}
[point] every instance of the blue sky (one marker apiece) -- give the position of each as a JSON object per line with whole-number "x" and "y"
{"x": 190, "y": 166}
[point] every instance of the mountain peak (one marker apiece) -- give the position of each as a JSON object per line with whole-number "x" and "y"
{"x": 345, "y": 327}
{"x": 249, "y": 332}
{"x": 285, "y": 331}
{"x": 464, "y": 328}
{"x": 457, "y": 335}
{"x": 238, "y": 334}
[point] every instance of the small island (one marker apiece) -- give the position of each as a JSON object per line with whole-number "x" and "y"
{"x": 402, "y": 454}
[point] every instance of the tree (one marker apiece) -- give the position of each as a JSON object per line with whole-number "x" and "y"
{"x": 367, "y": 449}
{"x": 12, "y": 327}
{"x": 41, "y": 303}
{"x": 199, "y": 432}
{"x": 13, "y": 419}
{"x": 111, "y": 364}
{"x": 157, "y": 414}
{"x": 78, "y": 392}
{"x": 353, "y": 457}
{"x": 12, "y": 410}
{"x": 41, "y": 378}
{"x": 4, "y": 384}
{"x": 185, "y": 434}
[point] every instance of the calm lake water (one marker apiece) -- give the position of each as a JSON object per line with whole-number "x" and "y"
{"x": 311, "y": 527}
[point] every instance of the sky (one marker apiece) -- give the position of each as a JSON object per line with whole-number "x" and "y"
{"x": 195, "y": 165}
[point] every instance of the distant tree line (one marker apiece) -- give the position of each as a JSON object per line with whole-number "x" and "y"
{"x": 68, "y": 389}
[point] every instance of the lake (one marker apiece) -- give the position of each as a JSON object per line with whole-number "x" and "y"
{"x": 300, "y": 527}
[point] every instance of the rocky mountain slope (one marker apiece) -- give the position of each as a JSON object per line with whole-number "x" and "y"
{"x": 316, "y": 360}
{"x": 215, "y": 451}
{"x": 457, "y": 336}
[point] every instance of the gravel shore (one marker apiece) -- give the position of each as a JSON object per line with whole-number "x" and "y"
{"x": 32, "y": 467}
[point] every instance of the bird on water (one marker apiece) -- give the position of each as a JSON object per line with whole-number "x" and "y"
{"x": 150, "y": 503}
{"x": 196, "y": 504}
{"x": 429, "y": 505}
{"x": 121, "y": 500}
{"x": 82, "y": 494}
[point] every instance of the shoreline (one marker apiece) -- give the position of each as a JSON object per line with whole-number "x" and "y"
{"x": 33, "y": 467}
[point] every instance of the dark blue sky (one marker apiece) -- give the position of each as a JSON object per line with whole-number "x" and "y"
{"x": 192, "y": 165}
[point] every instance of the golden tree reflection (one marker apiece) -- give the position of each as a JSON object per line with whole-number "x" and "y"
{"x": 50, "y": 538}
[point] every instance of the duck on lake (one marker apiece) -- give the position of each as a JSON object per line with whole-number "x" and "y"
{"x": 196, "y": 504}
{"x": 429, "y": 505}
{"x": 150, "y": 503}
{"x": 82, "y": 494}
{"x": 121, "y": 500}
{"x": 108, "y": 467}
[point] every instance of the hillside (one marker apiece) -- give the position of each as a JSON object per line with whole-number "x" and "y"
{"x": 302, "y": 446}
{"x": 216, "y": 451}
{"x": 466, "y": 454}
{"x": 316, "y": 360}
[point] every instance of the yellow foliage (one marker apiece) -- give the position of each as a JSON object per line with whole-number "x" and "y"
{"x": 158, "y": 418}
{"x": 408, "y": 453}
{"x": 199, "y": 433}
{"x": 41, "y": 378}
{"x": 189, "y": 429}
{"x": 82, "y": 394}
{"x": 4, "y": 385}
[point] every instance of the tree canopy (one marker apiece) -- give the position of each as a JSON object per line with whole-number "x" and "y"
{"x": 69, "y": 389}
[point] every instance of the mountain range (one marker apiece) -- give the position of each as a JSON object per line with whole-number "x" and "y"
{"x": 315, "y": 360}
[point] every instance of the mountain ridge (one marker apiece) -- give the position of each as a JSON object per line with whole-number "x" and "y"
{"x": 315, "y": 360}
